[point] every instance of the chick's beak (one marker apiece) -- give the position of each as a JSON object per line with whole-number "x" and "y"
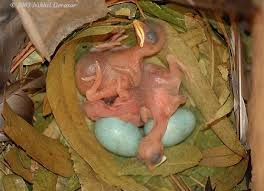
{"x": 138, "y": 25}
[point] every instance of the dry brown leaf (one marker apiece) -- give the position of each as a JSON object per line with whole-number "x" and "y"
{"x": 12, "y": 158}
{"x": 48, "y": 152}
{"x": 46, "y": 106}
{"x": 220, "y": 156}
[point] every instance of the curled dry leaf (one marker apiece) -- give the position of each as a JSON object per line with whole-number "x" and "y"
{"x": 18, "y": 99}
{"x": 220, "y": 156}
{"x": 48, "y": 152}
{"x": 14, "y": 161}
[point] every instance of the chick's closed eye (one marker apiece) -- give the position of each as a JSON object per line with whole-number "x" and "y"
{"x": 156, "y": 158}
{"x": 152, "y": 37}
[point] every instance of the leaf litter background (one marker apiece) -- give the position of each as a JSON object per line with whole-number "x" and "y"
{"x": 60, "y": 132}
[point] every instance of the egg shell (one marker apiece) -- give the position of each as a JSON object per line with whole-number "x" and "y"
{"x": 180, "y": 126}
{"x": 117, "y": 136}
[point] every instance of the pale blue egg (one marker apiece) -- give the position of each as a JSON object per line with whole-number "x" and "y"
{"x": 117, "y": 136}
{"x": 180, "y": 126}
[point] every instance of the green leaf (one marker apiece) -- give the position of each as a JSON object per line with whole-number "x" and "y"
{"x": 165, "y": 14}
{"x": 179, "y": 158}
{"x": 155, "y": 183}
{"x": 87, "y": 177}
{"x": 40, "y": 122}
{"x": 13, "y": 182}
{"x": 33, "y": 58}
{"x": 159, "y": 183}
{"x": 44, "y": 180}
{"x": 200, "y": 90}
{"x": 81, "y": 49}
{"x": 124, "y": 9}
{"x": 62, "y": 95}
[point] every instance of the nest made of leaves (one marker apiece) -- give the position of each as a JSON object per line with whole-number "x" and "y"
{"x": 213, "y": 150}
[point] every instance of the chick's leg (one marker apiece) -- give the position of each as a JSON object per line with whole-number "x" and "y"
{"x": 122, "y": 88}
{"x": 97, "y": 82}
{"x": 114, "y": 41}
{"x": 145, "y": 114}
{"x": 93, "y": 94}
{"x": 177, "y": 67}
{"x": 106, "y": 92}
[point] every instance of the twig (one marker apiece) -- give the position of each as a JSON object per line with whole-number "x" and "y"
{"x": 21, "y": 71}
{"x": 6, "y": 165}
{"x": 178, "y": 183}
{"x": 213, "y": 62}
{"x": 16, "y": 64}
{"x": 22, "y": 52}
{"x": 197, "y": 181}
